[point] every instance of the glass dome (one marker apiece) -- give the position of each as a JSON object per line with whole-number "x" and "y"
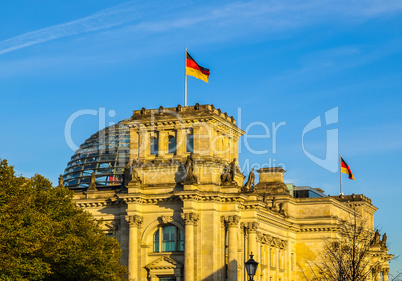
{"x": 105, "y": 153}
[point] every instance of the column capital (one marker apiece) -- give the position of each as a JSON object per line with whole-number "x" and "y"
{"x": 233, "y": 221}
{"x": 252, "y": 227}
{"x": 190, "y": 218}
{"x": 385, "y": 270}
{"x": 135, "y": 220}
{"x": 223, "y": 220}
{"x": 165, "y": 219}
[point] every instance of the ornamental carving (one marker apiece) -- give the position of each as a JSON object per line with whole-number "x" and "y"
{"x": 165, "y": 219}
{"x": 266, "y": 239}
{"x": 252, "y": 226}
{"x": 272, "y": 241}
{"x": 190, "y": 218}
{"x": 233, "y": 221}
{"x": 135, "y": 220}
{"x": 223, "y": 221}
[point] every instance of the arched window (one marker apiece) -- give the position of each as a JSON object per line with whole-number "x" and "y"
{"x": 168, "y": 238}
{"x": 154, "y": 145}
{"x": 172, "y": 144}
{"x": 190, "y": 142}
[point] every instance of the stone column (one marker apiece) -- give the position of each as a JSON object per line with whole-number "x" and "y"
{"x": 233, "y": 229}
{"x": 190, "y": 220}
{"x": 143, "y": 138}
{"x": 385, "y": 273}
{"x": 134, "y": 223}
{"x": 252, "y": 243}
{"x": 134, "y": 142}
{"x": 252, "y": 238}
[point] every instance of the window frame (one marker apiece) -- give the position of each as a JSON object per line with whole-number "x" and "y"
{"x": 153, "y": 145}
{"x": 172, "y": 144}
{"x": 158, "y": 244}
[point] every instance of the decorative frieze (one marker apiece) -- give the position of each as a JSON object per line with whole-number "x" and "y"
{"x": 319, "y": 229}
{"x": 272, "y": 241}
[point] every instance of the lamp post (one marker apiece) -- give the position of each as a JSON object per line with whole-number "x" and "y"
{"x": 251, "y": 267}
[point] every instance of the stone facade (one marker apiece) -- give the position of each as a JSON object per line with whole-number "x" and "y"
{"x": 183, "y": 212}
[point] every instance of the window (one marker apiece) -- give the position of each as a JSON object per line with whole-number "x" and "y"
{"x": 190, "y": 142}
{"x": 172, "y": 144}
{"x": 168, "y": 238}
{"x": 154, "y": 145}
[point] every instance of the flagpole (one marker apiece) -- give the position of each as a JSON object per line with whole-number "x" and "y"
{"x": 185, "y": 77}
{"x": 340, "y": 171}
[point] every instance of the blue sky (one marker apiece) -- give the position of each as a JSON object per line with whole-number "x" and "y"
{"x": 270, "y": 61}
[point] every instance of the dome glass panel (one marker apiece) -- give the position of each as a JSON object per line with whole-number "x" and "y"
{"x": 105, "y": 153}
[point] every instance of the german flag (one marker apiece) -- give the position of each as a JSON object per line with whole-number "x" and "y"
{"x": 346, "y": 170}
{"x": 194, "y": 69}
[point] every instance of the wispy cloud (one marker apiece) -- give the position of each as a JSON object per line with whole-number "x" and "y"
{"x": 104, "y": 19}
{"x": 235, "y": 18}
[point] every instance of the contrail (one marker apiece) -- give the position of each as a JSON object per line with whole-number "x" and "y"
{"x": 104, "y": 19}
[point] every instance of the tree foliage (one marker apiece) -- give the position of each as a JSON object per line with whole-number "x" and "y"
{"x": 44, "y": 236}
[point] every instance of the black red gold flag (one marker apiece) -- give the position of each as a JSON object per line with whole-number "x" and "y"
{"x": 346, "y": 170}
{"x": 194, "y": 69}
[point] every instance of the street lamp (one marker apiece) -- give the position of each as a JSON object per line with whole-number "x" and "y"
{"x": 251, "y": 267}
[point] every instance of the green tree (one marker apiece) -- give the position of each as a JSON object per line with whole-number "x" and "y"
{"x": 44, "y": 236}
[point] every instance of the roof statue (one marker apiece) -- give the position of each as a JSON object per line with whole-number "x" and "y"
{"x": 250, "y": 183}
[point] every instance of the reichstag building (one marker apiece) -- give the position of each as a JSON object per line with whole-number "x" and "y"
{"x": 168, "y": 186}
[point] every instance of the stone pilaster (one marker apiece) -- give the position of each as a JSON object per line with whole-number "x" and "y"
{"x": 143, "y": 146}
{"x": 190, "y": 219}
{"x": 233, "y": 229}
{"x": 162, "y": 142}
{"x": 181, "y": 141}
{"x": 134, "y": 223}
